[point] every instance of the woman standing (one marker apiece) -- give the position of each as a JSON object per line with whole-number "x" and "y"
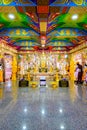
{"x": 79, "y": 71}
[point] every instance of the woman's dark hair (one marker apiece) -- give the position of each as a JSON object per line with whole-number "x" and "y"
{"x": 85, "y": 64}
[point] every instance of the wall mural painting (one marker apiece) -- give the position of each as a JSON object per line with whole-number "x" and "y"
{"x": 30, "y": 2}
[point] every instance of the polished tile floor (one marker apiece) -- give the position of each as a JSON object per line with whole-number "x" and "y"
{"x": 43, "y": 108}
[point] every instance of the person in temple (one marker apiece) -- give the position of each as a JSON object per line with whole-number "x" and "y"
{"x": 79, "y": 70}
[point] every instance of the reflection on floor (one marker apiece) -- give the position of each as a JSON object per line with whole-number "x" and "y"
{"x": 43, "y": 108}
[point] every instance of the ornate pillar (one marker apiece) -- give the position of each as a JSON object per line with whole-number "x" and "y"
{"x": 72, "y": 67}
{"x": 14, "y": 68}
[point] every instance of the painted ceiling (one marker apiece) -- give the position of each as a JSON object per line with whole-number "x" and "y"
{"x": 50, "y": 25}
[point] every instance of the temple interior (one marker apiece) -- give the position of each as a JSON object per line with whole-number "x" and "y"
{"x": 43, "y": 64}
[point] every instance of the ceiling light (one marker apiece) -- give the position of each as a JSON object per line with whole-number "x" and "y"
{"x": 11, "y": 16}
{"x": 74, "y": 17}
{"x": 66, "y": 56}
{"x": 43, "y": 45}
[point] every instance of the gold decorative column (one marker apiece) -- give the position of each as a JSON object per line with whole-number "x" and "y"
{"x": 72, "y": 68}
{"x": 14, "y": 68}
{"x": 57, "y": 78}
{"x": 1, "y": 93}
{"x": 28, "y": 76}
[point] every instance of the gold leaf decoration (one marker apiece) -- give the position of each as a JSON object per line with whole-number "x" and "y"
{"x": 78, "y": 2}
{"x": 6, "y": 2}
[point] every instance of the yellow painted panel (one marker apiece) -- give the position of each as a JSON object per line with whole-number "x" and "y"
{"x": 43, "y": 26}
{"x": 7, "y": 9}
{"x": 43, "y": 41}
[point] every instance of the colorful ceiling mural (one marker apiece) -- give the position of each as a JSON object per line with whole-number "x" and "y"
{"x": 18, "y": 2}
{"x": 50, "y": 25}
{"x": 68, "y": 2}
{"x": 52, "y": 2}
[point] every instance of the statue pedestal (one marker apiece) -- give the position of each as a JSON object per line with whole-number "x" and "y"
{"x": 42, "y": 70}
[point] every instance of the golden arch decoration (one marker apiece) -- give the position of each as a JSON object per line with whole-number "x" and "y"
{"x": 6, "y": 2}
{"x": 78, "y": 2}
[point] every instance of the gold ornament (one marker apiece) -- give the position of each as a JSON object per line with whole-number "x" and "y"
{"x": 78, "y": 2}
{"x": 6, "y": 2}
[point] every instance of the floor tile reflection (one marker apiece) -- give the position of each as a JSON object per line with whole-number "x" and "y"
{"x": 42, "y": 108}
